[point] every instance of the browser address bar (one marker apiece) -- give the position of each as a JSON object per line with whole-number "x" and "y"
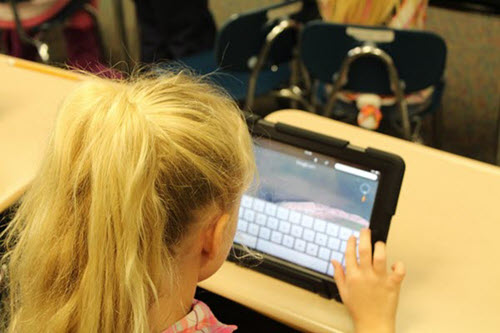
{"x": 355, "y": 171}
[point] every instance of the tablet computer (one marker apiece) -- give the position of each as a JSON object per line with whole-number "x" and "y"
{"x": 312, "y": 192}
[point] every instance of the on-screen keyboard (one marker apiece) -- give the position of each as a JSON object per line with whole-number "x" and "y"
{"x": 291, "y": 235}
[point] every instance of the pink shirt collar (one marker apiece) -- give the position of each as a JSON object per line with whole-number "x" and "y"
{"x": 200, "y": 319}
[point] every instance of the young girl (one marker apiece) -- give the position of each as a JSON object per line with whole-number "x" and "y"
{"x": 135, "y": 203}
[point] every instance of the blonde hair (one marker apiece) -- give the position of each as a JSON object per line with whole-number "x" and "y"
{"x": 128, "y": 166}
{"x": 367, "y": 12}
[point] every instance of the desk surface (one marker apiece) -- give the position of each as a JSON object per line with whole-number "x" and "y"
{"x": 445, "y": 229}
{"x": 29, "y": 96}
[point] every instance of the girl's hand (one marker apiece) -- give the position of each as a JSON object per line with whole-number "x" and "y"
{"x": 367, "y": 289}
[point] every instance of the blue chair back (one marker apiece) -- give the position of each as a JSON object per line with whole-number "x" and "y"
{"x": 242, "y": 37}
{"x": 419, "y": 56}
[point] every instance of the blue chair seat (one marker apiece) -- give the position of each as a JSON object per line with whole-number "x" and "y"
{"x": 236, "y": 82}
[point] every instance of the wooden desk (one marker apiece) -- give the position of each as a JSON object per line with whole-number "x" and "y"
{"x": 446, "y": 228}
{"x": 29, "y": 96}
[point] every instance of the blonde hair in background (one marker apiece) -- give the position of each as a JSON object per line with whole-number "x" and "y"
{"x": 366, "y": 12}
{"x": 128, "y": 166}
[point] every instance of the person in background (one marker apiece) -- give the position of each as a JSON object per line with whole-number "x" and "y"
{"x": 137, "y": 201}
{"x": 81, "y": 40}
{"x": 170, "y": 29}
{"x": 397, "y": 14}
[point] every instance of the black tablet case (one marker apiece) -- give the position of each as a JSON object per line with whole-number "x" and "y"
{"x": 392, "y": 169}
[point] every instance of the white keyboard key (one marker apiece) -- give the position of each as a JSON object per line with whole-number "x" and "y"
{"x": 296, "y": 231}
{"x": 343, "y": 246}
{"x": 273, "y": 223}
{"x": 240, "y": 213}
{"x": 332, "y": 229}
{"x": 249, "y": 215}
{"x": 288, "y": 241}
{"x": 242, "y": 225}
{"x": 270, "y": 209}
{"x": 319, "y": 225}
{"x": 253, "y": 229}
{"x": 294, "y": 217}
{"x": 321, "y": 239}
{"x": 356, "y": 234}
{"x": 246, "y": 201}
{"x": 312, "y": 249}
{"x": 309, "y": 235}
{"x": 333, "y": 243}
{"x": 291, "y": 255}
{"x": 261, "y": 219}
{"x": 307, "y": 221}
{"x": 324, "y": 253}
{"x": 259, "y": 205}
{"x": 245, "y": 239}
{"x": 300, "y": 245}
{"x": 283, "y": 213}
{"x": 265, "y": 233}
{"x": 337, "y": 256}
{"x": 345, "y": 233}
{"x": 285, "y": 227}
{"x": 276, "y": 237}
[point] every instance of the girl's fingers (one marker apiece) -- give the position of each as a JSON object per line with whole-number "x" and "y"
{"x": 379, "y": 258}
{"x": 351, "y": 262}
{"x": 339, "y": 277}
{"x": 338, "y": 274}
{"x": 398, "y": 272}
{"x": 365, "y": 249}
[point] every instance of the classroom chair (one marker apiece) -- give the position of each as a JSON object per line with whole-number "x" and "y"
{"x": 41, "y": 19}
{"x": 254, "y": 54}
{"x": 376, "y": 60}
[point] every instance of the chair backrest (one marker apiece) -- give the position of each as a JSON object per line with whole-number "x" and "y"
{"x": 418, "y": 56}
{"x": 241, "y": 38}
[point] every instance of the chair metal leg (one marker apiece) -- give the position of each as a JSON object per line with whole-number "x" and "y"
{"x": 307, "y": 84}
{"x": 397, "y": 86}
{"x": 294, "y": 77}
{"x": 416, "y": 136}
{"x": 437, "y": 128}
{"x": 262, "y": 58}
{"x": 403, "y": 109}
{"x": 337, "y": 85}
{"x": 313, "y": 95}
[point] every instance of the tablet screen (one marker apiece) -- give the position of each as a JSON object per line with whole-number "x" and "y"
{"x": 304, "y": 205}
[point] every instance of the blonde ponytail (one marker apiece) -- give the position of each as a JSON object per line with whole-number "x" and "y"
{"x": 128, "y": 166}
{"x": 365, "y": 12}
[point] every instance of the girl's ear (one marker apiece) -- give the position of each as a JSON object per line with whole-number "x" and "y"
{"x": 215, "y": 245}
{"x": 214, "y": 236}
